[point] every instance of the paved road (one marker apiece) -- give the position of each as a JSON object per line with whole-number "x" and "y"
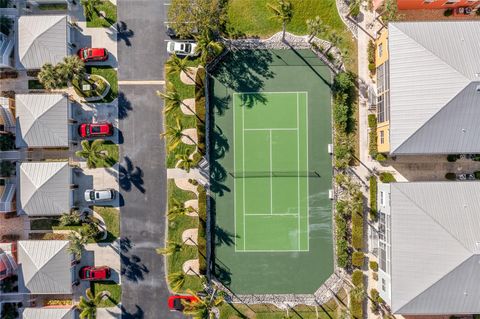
{"x": 141, "y": 55}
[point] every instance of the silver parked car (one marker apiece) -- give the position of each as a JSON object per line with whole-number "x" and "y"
{"x": 95, "y": 195}
{"x": 182, "y": 48}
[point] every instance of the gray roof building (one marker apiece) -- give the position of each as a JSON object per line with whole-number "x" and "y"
{"x": 42, "y": 39}
{"x": 434, "y": 87}
{"x": 44, "y": 188}
{"x": 435, "y": 248}
{"x": 42, "y": 120}
{"x": 48, "y": 313}
{"x": 44, "y": 267}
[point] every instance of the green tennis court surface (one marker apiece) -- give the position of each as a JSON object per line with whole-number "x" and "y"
{"x": 270, "y": 172}
{"x": 271, "y": 145}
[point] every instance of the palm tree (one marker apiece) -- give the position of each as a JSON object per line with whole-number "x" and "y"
{"x": 88, "y": 306}
{"x": 185, "y": 161}
{"x": 203, "y": 308}
{"x": 315, "y": 27}
{"x": 72, "y": 68}
{"x": 77, "y": 244}
{"x": 176, "y": 280}
{"x": 173, "y": 134}
{"x": 92, "y": 152}
{"x": 49, "y": 77}
{"x": 176, "y": 65}
{"x": 335, "y": 40}
{"x": 282, "y": 12}
{"x": 72, "y": 218}
{"x": 171, "y": 248}
{"x": 178, "y": 209}
{"x": 90, "y": 7}
{"x": 207, "y": 46}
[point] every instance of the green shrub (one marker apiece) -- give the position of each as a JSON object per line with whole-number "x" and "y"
{"x": 452, "y": 157}
{"x": 342, "y": 253}
{"x": 372, "y": 68}
{"x": 374, "y": 265}
{"x": 357, "y": 278}
{"x": 373, "y": 198}
{"x": 386, "y": 177}
{"x": 354, "y": 8}
{"x": 452, "y": 176}
{"x": 372, "y": 146}
{"x": 477, "y": 174}
{"x": 356, "y": 306}
{"x": 341, "y": 225}
{"x": 202, "y": 229}
{"x": 380, "y": 157}
{"x": 340, "y": 116}
{"x": 372, "y": 121}
{"x": 357, "y": 225}
{"x": 358, "y": 259}
{"x": 371, "y": 52}
{"x": 357, "y": 237}
{"x": 374, "y": 295}
{"x": 448, "y": 12}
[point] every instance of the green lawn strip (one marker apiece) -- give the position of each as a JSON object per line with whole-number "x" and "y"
{"x": 234, "y": 311}
{"x": 258, "y": 22}
{"x": 53, "y": 6}
{"x": 109, "y": 74}
{"x": 111, "y": 216}
{"x": 110, "y": 15}
{"x": 202, "y": 229}
{"x": 112, "y": 155}
{"x": 175, "y": 231}
{"x": 35, "y": 85}
{"x": 187, "y": 121}
{"x": 113, "y": 288}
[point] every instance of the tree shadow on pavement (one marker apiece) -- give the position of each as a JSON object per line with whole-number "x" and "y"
{"x": 123, "y": 33}
{"x": 132, "y": 268}
{"x": 138, "y": 314}
{"x": 124, "y": 106}
{"x": 129, "y": 176}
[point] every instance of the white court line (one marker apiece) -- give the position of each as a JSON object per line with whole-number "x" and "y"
{"x": 243, "y": 179}
{"x": 271, "y": 177}
{"x": 272, "y": 129}
{"x": 244, "y": 93}
{"x": 308, "y": 180}
{"x": 298, "y": 178}
{"x": 274, "y": 215}
{"x": 272, "y": 251}
{"x": 235, "y": 180}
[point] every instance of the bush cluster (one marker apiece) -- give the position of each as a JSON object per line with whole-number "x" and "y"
{"x": 357, "y": 224}
{"x": 342, "y": 243}
{"x": 373, "y": 198}
{"x": 356, "y": 304}
{"x": 374, "y": 265}
{"x": 200, "y": 109}
{"x": 386, "y": 177}
{"x": 358, "y": 258}
{"x": 372, "y": 143}
{"x": 371, "y": 57}
{"x": 357, "y": 278}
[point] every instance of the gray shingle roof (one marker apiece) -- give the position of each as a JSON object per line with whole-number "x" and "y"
{"x": 41, "y": 39}
{"x": 44, "y": 266}
{"x": 44, "y": 188}
{"x": 42, "y": 120}
{"x": 48, "y": 313}
{"x": 435, "y": 247}
{"x": 433, "y": 66}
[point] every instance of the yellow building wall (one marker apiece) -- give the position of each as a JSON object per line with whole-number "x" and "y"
{"x": 381, "y": 56}
{"x": 385, "y": 146}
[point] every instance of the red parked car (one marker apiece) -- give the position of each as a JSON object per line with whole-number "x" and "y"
{"x": 95, "y": 129}
{"x": 94, "y": 273}
{"x": 93, "y": 54}
{"x": 175, "y": 302}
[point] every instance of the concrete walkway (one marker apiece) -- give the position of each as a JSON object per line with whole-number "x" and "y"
{"x": 194, "y": 173}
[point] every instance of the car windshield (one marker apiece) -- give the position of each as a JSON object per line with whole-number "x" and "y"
{"x": 188, "y": 47}
{"x": 95, "y": 129}
{"x": 92, "y": 195}
{"x": 177, "y": 304}
{"x": 87, "y": 273}
{"x": 97, "y": 194}
{"x": 85, "y": 54}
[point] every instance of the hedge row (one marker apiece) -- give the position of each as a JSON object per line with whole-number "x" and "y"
{"x": 356, "y": 305}
{"x": 372, "y": 143}
{"x": 358, "y": 259}
{"x": 373, "y": 198}
{"x": 357, "y": 224}
{"x": 202, "y": 229}
{"x": 342, "y": 242}
{"x": 357, "y": 277}
{"x": 200, "y": 108}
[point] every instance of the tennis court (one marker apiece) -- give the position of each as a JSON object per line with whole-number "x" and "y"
{"x": 270, "y": 171}
{"x": 271, "y": 155}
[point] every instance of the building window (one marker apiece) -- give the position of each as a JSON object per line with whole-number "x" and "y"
{"x": 384, "y": 285}
{"x": 380, "y": 50}
{"x": 382, "y": 137}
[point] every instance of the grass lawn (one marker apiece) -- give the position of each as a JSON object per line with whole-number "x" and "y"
{"x": 112, "y": 155}
{"x": 53, "y": 6}
{"x": 35, "y": 85}
{"x": 110, "y": 15}
{"x": 252, "y": 18}
{"x": 110, "y": 286}
{"x": 51, "y": 224}
{"x": 111, "y": 216}
{"x": 110, "y": 74}
{"x": 175, "y": 230}
{"x": 188, "y": 121}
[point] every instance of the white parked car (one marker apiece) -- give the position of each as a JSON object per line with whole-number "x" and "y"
{"x": 182, "y": 48}
{"x": 93, "y": 195}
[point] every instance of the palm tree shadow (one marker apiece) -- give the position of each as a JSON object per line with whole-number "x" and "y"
{"x": 124, "y": 106}
{"x": 138, "y": 314}
{"x": 123, "y": 33}
{"x": 224, "y": 237}
{"x": 130, "y": 176}
{"x": 132, "y": 268}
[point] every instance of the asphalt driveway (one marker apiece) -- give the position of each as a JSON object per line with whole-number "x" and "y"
{"x": 142, "y": 172}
